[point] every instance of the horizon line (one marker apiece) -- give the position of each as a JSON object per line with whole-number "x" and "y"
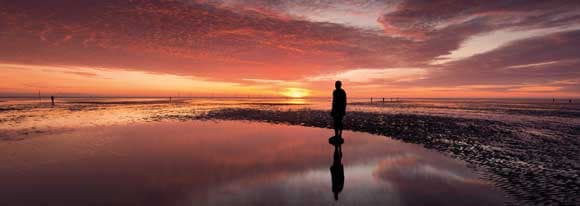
{"x": 275, "y": 97}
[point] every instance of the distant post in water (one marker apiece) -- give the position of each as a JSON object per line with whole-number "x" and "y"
{"x": 371, "y": 100}
{"x": 169, "y": 99}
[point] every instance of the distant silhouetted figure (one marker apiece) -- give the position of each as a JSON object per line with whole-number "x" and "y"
{"x": 553, "y": 100}
{"x": 52, "y": 100}
{"x": 570, "y": 101}
{"x": 336, "y": 169}
{"x": 338, "y": 107}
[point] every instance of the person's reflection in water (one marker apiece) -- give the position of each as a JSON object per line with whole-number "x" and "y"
{"x": 336, "y": 169}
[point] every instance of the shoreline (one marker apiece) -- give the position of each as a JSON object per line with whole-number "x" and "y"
{"x": 532, "y": 169}
{"x": 533, "y": 159}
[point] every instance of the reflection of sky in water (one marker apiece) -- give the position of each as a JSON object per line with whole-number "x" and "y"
{"x": 228, "y": 163}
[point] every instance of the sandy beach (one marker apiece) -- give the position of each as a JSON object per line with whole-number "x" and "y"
{"x": 532, "y": 167}
{"x": 234, "y": 102}
{"x": 528, "y": 151}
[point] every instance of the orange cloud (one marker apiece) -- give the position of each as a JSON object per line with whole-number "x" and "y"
{"x": 263, "y": 47}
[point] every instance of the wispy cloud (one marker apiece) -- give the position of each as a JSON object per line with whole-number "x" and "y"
{"x": 409, "y": 45}
{"x": 369, "y": 75}
{"x": 483, "y": 43}
{"x": 536, "y": 88}
{"x": 274, "y": 82}
{"x": 532, "y": 65}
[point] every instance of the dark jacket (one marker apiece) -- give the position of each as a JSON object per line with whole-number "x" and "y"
{"x": 338, "y": 102}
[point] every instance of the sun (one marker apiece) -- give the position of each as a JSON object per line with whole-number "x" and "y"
{"x": 296, "y": 92}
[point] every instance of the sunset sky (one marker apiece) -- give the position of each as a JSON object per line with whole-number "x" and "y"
{"x": 393, "y": 48}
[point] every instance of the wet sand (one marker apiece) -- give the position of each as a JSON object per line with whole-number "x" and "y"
{"x": 529, "y": 148}
{"x": 539, "y": 109}
{"x": 230, "y": 163}
{"x": 533, "y": 168}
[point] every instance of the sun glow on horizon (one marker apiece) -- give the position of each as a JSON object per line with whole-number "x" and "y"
{"x": 296, "y": 92}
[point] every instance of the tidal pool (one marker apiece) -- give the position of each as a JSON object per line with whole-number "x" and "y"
{"x": 230, "y": 163}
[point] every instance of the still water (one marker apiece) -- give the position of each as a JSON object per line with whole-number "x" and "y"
{"x": 230, "y": 163}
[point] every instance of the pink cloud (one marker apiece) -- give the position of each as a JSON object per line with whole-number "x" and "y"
{"x": 283, "y": 40}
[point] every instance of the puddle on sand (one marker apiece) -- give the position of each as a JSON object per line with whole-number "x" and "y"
{"x": 230, "y": 163}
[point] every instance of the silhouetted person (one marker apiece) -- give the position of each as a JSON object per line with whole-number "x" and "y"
{"x": 570, "y": 101}
{"x": 336, "y": 169}
{"x": 52, "y": 100}
{"x": 338, "y": 107}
